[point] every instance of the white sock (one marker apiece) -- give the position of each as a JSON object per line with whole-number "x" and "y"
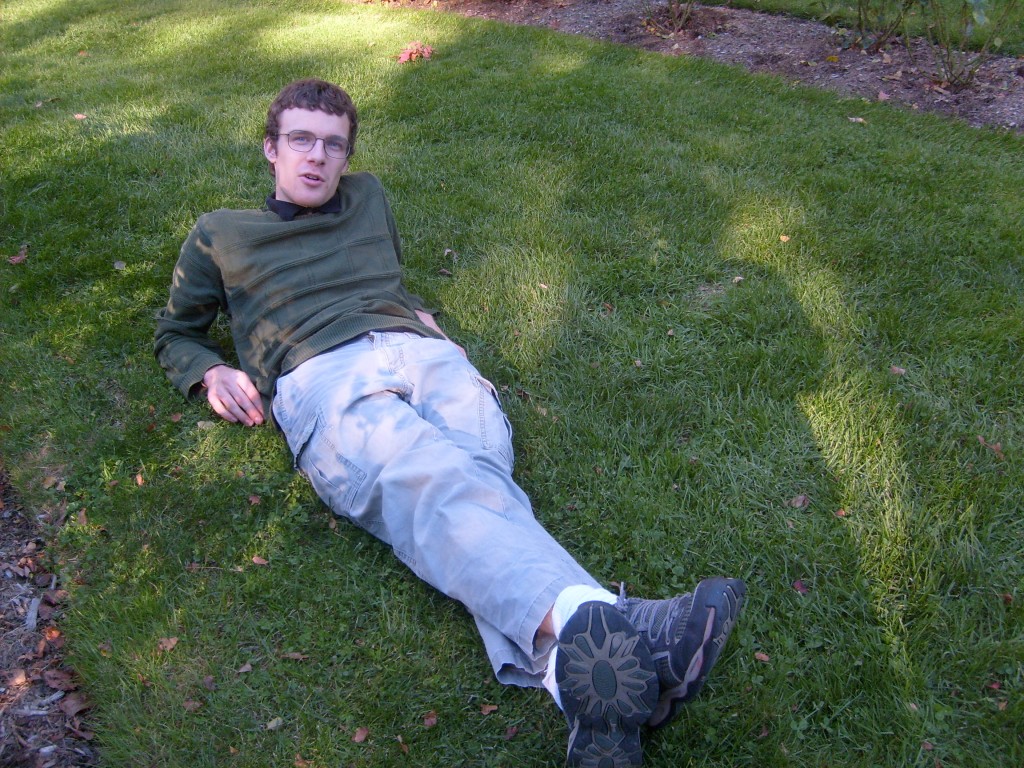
{"x": 566, "y": 604}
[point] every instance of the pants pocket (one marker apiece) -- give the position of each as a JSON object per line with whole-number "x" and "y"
{"x": 495, "y": 428}
{"x": 336, "y": 479}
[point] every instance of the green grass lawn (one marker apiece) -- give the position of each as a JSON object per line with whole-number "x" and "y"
{"x": 737, "y": 332}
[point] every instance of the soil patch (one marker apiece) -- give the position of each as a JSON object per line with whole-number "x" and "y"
{"x": 40, "y": 706}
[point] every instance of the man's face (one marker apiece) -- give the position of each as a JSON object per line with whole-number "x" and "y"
{"x": 307, "y": 178}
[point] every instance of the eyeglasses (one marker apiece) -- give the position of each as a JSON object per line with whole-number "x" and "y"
{"x": 304, "y": 141}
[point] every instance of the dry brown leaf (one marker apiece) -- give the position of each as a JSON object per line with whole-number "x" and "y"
{"x": 488, "y": 709}
{"x": 430, "y": 719}
{"x": 762, "y": 657}
{"x": 166, "y": 644}
{"x": 20, "y": 256}
{"x": 191, "y": 705}
{"x": 274, "y": 724}
{"x": 257, "y": 560}
{"x": 361, "y": 734}
{"x": 294, "y": 656}
{"x": 800, "y": 587}
{"x": 247, "y": 667}
{"x": 996, "y": 448}
{"x": 799, "y": 502}
{"x": 55, "y": 596}
{"x": 59, "y": 680}
{"x": 74, "y": 703}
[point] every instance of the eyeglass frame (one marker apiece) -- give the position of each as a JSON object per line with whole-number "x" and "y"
{"x": 288, "y": 139}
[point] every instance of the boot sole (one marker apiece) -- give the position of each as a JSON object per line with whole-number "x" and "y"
{"x": 608, "y": 687}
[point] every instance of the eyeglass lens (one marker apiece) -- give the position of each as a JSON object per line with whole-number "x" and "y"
{"x": 304, "y": 141}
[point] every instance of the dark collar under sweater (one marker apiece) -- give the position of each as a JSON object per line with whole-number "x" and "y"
{"x": 288, "y": 211}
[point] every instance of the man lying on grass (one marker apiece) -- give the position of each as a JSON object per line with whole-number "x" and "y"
{"x": 400, "y": 434}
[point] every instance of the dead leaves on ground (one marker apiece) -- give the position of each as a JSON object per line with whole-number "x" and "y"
{"x": 996, "y": 448}
{"x": 60, "y": 680}
{"x": 20, "y": 257}
{"x": 799, "y": 502}
{"x": 413, "y": 51}
{"x": 430, "y": 720}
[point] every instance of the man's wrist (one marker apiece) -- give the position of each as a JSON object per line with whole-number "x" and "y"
{"x": 204, "y": 383}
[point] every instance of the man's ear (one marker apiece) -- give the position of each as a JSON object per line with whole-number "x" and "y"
{"x": 270, "y": 148}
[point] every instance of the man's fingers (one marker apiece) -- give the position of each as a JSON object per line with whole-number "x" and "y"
{"x": 252, "y": 409}
{"x": 233, "y": 396}
{"x": 251, "y": 401}
{"x": 221, "y": 408}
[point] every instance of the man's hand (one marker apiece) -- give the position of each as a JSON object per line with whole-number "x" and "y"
{"x": 233, "y": 396}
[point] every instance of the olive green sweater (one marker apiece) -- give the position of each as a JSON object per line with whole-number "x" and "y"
{"x": 292, "y": 289}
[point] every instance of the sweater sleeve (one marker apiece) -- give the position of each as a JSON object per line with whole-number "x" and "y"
{"x": 182, "y": 344}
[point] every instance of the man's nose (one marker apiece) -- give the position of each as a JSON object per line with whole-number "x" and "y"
{"x": 320, "y": 153}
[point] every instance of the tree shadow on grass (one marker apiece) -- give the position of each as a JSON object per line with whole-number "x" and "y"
{"x": 785, "y": 385}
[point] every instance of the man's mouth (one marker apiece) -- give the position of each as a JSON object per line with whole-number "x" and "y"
{"x": 312, "y": 177}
